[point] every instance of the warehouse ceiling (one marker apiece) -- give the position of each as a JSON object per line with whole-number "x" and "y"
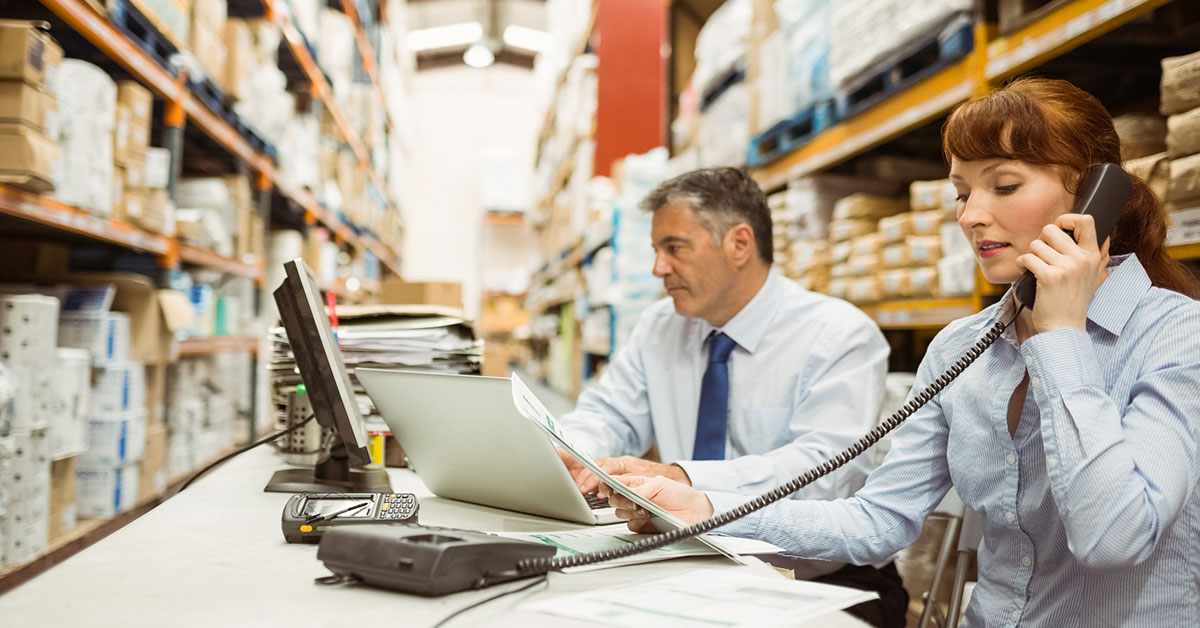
{"x": 496, "y": 22}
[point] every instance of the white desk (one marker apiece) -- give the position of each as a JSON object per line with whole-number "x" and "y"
{"x": 214, "y": 556}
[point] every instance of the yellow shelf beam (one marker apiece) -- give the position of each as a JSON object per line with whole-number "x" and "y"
{"x": 889, "y": 119}
{"x": 1071, "y": 25}
{"x": 1185, "y": 251}
{"x": 921, "y": 313}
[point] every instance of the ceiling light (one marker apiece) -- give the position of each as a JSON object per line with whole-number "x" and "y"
{"x": 444, "y": 36}
{"x": 527, "y": 38}
{"x": 478, "y": 56}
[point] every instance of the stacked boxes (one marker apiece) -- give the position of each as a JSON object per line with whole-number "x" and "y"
{"x": 27, "y": 332}
{"x": 855, "y": 219}
{"x": 131, "y": 140}
{"x": 212, "y": 210}
{"x": 84, "y": 171}
{"x": 207, "y": 37}
{"x": 1180, "y": 99}
{"x": 28, "y": 127}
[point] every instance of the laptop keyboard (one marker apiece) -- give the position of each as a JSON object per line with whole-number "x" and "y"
{"x": 596, "y": 502}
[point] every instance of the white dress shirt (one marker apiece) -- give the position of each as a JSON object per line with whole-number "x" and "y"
{"x": 805, "y": 381}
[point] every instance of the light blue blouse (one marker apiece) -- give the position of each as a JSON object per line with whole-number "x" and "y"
{"x": 1091, "y": 513}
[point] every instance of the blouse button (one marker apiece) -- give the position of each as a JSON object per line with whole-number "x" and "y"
{"x": 1010, "y": 516}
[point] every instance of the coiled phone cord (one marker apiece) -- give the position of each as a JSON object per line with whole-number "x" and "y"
{"x": 529, "y": 567}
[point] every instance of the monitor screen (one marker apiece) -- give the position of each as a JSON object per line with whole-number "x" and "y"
{"x": 319, "y": 360}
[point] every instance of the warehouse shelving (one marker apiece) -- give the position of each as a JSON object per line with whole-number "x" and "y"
{"x": 993, "y": 60}
{"x": 117, "y": 47}
{"x": 50, "y": 213}
{"x": 367, "y": 52}
{"x": 85, "y": 533}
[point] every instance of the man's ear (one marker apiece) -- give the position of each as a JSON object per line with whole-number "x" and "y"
{"x": 740, "y": 245}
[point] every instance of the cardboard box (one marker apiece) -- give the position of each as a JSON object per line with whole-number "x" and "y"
{"x": 208, "y": 47}
{"x": 396, "y": 290}
{"x": 1184, "y": 226}
{"x": 23, "y": 104}
{"x": 152, "y": 470}
{"x": 1180, "y": 88}
{"x": 1185, "y": 179}
{"x": 116, "y": 441}
{"x": 155, "y": 315}
{"x": 23, "y": 51}
{"x": 131, "y": 138}
{"x": 158, "y": 213}
{"x": 156, "y": 394}
{"x": 106, "y": 335}
{"x": 105, "y": 491}
{"x": 1183, "y": 134}
{"x": 138, "y": 99}
{"x": 27, "y": 159}
{"x": 63, "y": 513}
{"x": 117, "y": 390}
{"x": 158, "y": 168}
{"x": 240, "y": 58}
{"x": 173, "y": 18}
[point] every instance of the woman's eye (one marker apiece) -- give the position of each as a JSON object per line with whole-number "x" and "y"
{"x": 961, "y": 198}
{"x": 1004, "y": 190}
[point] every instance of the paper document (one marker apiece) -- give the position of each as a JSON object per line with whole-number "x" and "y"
{"x": 532, "y": 409}
{"x": 706, "y": 597}
{"x": 601, "y": 538}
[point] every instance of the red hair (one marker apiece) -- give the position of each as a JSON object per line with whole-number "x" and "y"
{"x": 1050, "y": 122}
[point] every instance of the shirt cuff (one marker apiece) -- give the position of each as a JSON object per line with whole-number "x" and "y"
{"x": 708, "y": 475}
{"x": 724, "y": 502}
{"x": 1061, "y": 360}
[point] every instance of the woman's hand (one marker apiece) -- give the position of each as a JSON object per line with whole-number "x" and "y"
{"x": 1068, "y": 272}
{"x": 678, "y": 499}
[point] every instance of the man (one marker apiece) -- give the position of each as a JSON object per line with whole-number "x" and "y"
{"x": 743, "y": 379}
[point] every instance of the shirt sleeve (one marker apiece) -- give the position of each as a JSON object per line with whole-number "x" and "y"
{"x": 836, "y": 400}
{"x": 1120, "y": 470}
{"x": 885, "y": 515}
{"x": 612, "y": 417}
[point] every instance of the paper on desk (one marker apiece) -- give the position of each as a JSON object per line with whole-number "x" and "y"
{"x": 600, "y": 538}
{"x": 532, "y": 409}
{"x": 706, "y": 597}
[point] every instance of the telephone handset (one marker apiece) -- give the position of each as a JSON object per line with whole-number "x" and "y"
{"x": 1103, "y": 193}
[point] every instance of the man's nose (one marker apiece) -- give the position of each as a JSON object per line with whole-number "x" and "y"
{"x": 662, "y": 268}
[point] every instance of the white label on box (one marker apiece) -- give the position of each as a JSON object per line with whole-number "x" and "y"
{"x": 116, "y": 441}
{"x": 104, "y": 491}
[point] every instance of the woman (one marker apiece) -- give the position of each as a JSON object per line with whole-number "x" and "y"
{"x": 1075, "y": 434}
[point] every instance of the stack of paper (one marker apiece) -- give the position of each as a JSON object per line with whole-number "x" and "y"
{"x": 405, "y": 337}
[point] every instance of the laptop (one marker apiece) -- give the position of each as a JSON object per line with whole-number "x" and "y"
{"x": 467, "y": 441}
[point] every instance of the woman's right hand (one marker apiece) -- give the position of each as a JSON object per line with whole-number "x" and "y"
{"x": 680, "y": 500}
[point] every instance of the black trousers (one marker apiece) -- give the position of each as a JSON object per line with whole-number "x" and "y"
{"x": 888, "y": 611}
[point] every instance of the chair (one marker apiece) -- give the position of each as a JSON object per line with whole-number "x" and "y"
{"x": 964, "y": 530}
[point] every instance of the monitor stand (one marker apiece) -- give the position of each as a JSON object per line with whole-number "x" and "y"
{"x": 332, "y": 475}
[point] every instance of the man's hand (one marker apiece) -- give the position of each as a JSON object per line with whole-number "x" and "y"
{"x": 678, "y": 499}
{"x": 624, "y": 465}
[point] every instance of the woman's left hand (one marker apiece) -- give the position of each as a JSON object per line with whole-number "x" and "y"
{"x": 1068, "y": 272}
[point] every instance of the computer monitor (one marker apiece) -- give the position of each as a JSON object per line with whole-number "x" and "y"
{"x": 348, "y": 467}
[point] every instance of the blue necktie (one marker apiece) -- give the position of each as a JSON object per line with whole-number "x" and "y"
{"x": 714, "y": 401}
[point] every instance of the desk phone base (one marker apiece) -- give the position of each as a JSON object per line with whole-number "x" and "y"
{"x": 425, "y": 561}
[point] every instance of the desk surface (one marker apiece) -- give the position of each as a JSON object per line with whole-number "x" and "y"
{"x": 214, "y": 555}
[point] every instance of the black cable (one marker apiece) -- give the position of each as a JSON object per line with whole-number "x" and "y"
{"x": 464, "y": 609}
{"x": 265, "y": 439}
{"x": 529, "y": 567}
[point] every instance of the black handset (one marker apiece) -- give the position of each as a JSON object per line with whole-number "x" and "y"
{"x": 1103, "y": 193}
